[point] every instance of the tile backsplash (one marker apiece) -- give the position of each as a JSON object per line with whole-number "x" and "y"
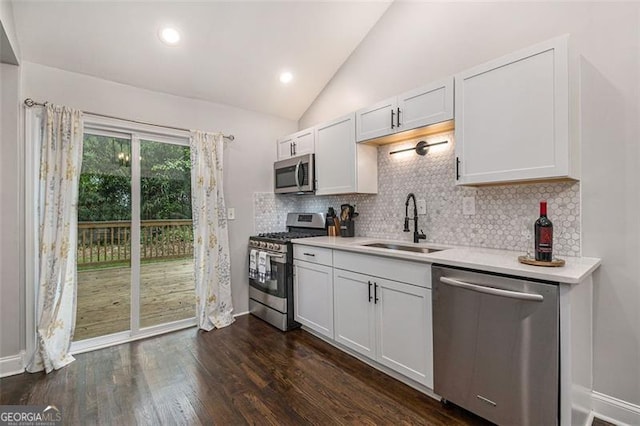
{"x": 504, "y": 214}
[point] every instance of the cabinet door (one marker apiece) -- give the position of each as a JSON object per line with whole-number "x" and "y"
{"x": 354, "y": 318}
{"x": 313, "y": 296}
{"x": 376, "y": 121}
{"x": 403, "y": 330}
{"x": 285, "y": 148}
{"x": 512, "y": 117}
{"x": 299, "y": 143}
{"x": 336, "y": 157}
{"x": 303, "y": 142}
{"x": 426, "y": 105}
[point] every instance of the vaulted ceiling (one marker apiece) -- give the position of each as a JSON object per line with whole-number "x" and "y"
{"x": 230, "y": 52}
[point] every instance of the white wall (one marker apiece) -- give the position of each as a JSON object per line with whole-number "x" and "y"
{"x": 248, "y": 160}
{"x": 8, "y": 28}
{"x": 415, "y": 43}
{"x": 11, "y": 291}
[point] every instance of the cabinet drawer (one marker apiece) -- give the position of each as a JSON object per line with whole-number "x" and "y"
{"x": 384, "y": 267}
{"x": 319, "y": 255}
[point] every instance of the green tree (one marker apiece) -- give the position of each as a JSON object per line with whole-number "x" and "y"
{"x": 165, "y": 184}
{"x": 105, "y": 180}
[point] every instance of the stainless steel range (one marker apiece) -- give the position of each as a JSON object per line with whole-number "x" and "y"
{"x": 271, "y": 269}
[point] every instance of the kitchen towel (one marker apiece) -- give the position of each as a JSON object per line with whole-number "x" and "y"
{"x": 253, "y": 264}
{"x": 263, "y": 261}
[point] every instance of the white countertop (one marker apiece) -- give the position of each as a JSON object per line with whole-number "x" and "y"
{"x": 575, "y": 270}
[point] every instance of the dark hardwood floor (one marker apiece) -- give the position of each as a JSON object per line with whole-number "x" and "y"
{"x": 248, "y": 373}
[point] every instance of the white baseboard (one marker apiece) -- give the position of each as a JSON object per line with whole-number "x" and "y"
{"x": 241, "y": 314}
{"x": 615, "y": 410}
{"x": 12, "y": 365}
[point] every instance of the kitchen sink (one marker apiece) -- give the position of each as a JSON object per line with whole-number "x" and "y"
{"x": 392, "y": 246}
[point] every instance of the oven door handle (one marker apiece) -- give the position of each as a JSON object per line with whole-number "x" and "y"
{"x": 276, "y": 256}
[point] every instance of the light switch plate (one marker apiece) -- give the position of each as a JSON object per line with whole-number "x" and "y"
{"x": 422, "y": 206}
{"x": 468, "y": 205}
{"x": 231, "y": 213}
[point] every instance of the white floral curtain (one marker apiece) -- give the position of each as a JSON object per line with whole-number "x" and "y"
{"x": 60, "y": 159}
{"x": 211, "y": 240}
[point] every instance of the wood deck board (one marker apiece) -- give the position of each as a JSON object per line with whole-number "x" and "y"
{"x": 104, "y": 297}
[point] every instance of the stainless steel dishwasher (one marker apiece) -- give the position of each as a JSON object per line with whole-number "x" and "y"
{"x": 495, "y": 342}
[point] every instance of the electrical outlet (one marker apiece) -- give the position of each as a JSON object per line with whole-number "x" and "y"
{"x": 422, "y": 206}
{"x": 468, "y": 205}
{"x": 231, "y": 213}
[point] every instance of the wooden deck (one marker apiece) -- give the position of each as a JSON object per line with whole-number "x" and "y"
{"x": 104, "y": 297}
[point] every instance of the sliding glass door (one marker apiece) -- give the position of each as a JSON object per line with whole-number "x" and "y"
{"x": 135, "y": 238}
{"x": 166, "y": 234}
{"x": 104, "y": 237}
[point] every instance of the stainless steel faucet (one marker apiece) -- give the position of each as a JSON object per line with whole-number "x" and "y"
{"x": 417, "y": 236}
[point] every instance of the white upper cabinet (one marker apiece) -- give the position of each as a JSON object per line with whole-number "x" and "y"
{"x": 416, "y": 108}
{"x": 299, "y": 143}
{"x": 426, "y": 105}
{"x": 377, "y": 120}
{"x": 342, "y": 166}
{"x": 512, "y": 117}
{"x": 285, "y": 148}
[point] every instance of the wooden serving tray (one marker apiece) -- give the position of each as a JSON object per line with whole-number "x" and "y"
{"x": 531, "y": 261}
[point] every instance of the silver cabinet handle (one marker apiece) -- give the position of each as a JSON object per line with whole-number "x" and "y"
{"x": 493, "y": 291}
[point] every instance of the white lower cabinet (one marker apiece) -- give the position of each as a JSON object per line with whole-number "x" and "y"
{"x": 313, "y": 296}
{"x": 403, "y": 330}
{"x": 343, "y": 296}
{"x": 387, "y": 321}
{"x": 354, "y": 312}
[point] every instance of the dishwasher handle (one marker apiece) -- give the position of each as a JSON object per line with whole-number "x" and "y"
{"x": 533, "y": 297}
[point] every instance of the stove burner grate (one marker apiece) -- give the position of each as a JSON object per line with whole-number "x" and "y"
{"x": 286, "y": 235}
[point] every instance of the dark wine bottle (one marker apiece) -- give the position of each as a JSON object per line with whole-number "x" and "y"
{"x": 543, "y": 229}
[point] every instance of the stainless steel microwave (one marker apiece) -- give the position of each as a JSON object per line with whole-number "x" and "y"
{"x": 294, "y": 175}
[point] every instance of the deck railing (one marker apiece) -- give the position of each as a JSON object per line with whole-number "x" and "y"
{"x": 102, "y": 243}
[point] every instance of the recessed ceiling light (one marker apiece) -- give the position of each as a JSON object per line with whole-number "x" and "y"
{"x": 286, "y": 77}
{"x": 169, "y": 36}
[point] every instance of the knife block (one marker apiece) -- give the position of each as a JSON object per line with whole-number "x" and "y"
{"x": 347, "y": 228}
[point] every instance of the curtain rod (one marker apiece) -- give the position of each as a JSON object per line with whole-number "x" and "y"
{"x": 30, "y": 102}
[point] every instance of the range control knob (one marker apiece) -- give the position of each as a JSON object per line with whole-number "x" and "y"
{"x": 270, "y": 246}
{"x": 276, "y": 247}
{"x": 263, "y": 244}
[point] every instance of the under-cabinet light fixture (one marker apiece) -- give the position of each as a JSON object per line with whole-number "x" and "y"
{"x": 421, "y": 148}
